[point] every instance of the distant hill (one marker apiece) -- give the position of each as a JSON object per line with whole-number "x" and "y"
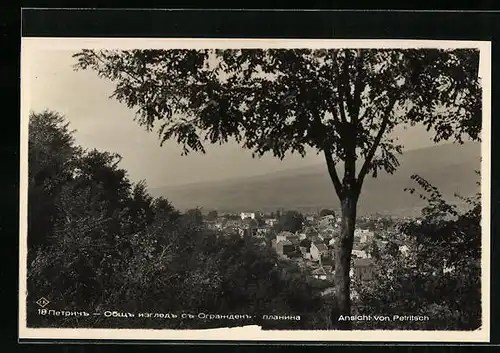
{"x": 450, "y": 167}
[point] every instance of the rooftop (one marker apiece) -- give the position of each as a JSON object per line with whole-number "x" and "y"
{"x": 321, "y": 246}
{"x": 285, "y": 234}
{"x": 363, "y": 262}
{"x": 319, "y": 271}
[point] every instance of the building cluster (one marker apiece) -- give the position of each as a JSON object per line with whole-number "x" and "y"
{"x": 246, "y": 223}
{"x": 312, "y": 248}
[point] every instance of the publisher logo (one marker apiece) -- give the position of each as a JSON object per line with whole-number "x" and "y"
{"x": 42, "y": 302}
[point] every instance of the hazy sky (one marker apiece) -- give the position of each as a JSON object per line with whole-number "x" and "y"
{"x": 107, "y": 125}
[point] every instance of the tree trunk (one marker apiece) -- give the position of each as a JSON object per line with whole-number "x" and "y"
{"x": 343, "y": 250}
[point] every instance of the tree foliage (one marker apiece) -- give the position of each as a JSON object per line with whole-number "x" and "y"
{"x": 109, "y": 245}
{"x": 430, "y": 266}
{"x": 212, "y": 215}
{"x": 51, "y": 150}
{"x": 326, "y": 212}
{"x": 281, "y": 101}
{"x": 290, "y": 221}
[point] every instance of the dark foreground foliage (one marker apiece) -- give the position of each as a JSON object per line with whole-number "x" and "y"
{"x": 98, "y": 242}
{"x": 430, "y": 266}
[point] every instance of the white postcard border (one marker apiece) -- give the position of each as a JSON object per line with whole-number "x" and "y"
{"x": 29, "y": 48}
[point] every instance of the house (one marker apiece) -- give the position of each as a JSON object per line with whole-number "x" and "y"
{"x": 271, "y": 222}
{"x": 364, "y": 235}
{"x": 329, "y": 271}
{"x": 358, "y": 246}
{"x": 284, "y": 247}
{"x": 368, "y": 236}
{"x": 328, "y": 292}
{"x": 404, "y": 249}
{"x": 305, "y": 243}
{"x": 330, "y": 232}
{"x": 294, "y": 254}
{"x": 228, "y": 231}
{"x": 448, "y": 269}
{"x": 327, "y": 239}
{"x": 319, "y": 273}
{"x": 211, "y": 225}
{"x": 327, "y": 260}
{"x": 262, "y": 231}
{"x": 302, "y": 236}
{"x": 305, "y": 253}
{"x": 245, "y": 215}
{"x": 360, "y": 254}
{"x": 323, "y": 272}
{"x": 316, "y": 239}
{"x": 231, "y": 223}
{"x": 327, "y": 221}
{"x": 310, "y": 232}
{"x": 293, "y": 239}
{"x": 310, "y": 219}
{"x": 318, "y": 250}
{"x": 362, "y": 269}
{"x": 282, "y": 236}
{"x": 252, "y": 232}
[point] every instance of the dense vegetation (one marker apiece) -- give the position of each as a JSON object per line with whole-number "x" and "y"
{"x": 429, "y": 266}
{"x": 99, "y": 242}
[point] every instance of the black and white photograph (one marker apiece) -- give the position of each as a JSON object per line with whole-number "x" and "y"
{"x": 255, "y": 189}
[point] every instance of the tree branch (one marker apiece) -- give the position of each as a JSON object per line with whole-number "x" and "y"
{"x": 123, "y": 70}
{"x": 369, "y": 157}
{"x": 330, "y": 163}
{"x": 340, "y": 91}
{"x": 342, "y": 111}
{"x": 354, "y": 102}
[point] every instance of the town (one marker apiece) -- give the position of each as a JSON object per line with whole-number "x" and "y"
{"x": 298, "y": 217}
{"x": 307, "y": 240}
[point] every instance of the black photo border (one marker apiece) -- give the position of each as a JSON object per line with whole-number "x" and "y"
{"x": 296, "y": 24}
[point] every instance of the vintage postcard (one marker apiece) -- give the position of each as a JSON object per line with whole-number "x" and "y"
{"x": 255, "y": 190}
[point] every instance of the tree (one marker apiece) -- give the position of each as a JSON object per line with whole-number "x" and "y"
{"x": 112, "y": 245}
{"x": 251, "y": 223}
{"x": 260, "y": 218}
{"x": 194, "y": 215}
{"x": 439, "y": 272}
{"x": 212, "y": 215}
{"x": 51, "y": 156}
{"x": 291, "y": 221}
{"x": 342, "y": 103}
{"x": 140, "y": 207}
{"x": 326, "y": 212}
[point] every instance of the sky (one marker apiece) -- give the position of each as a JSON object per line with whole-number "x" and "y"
{"x": 107, "y": 125}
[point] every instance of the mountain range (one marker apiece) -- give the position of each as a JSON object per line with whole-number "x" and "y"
{"x": 450, "y": 167}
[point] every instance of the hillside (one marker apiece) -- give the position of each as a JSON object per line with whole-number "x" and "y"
{"x": 449, "y": 167}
